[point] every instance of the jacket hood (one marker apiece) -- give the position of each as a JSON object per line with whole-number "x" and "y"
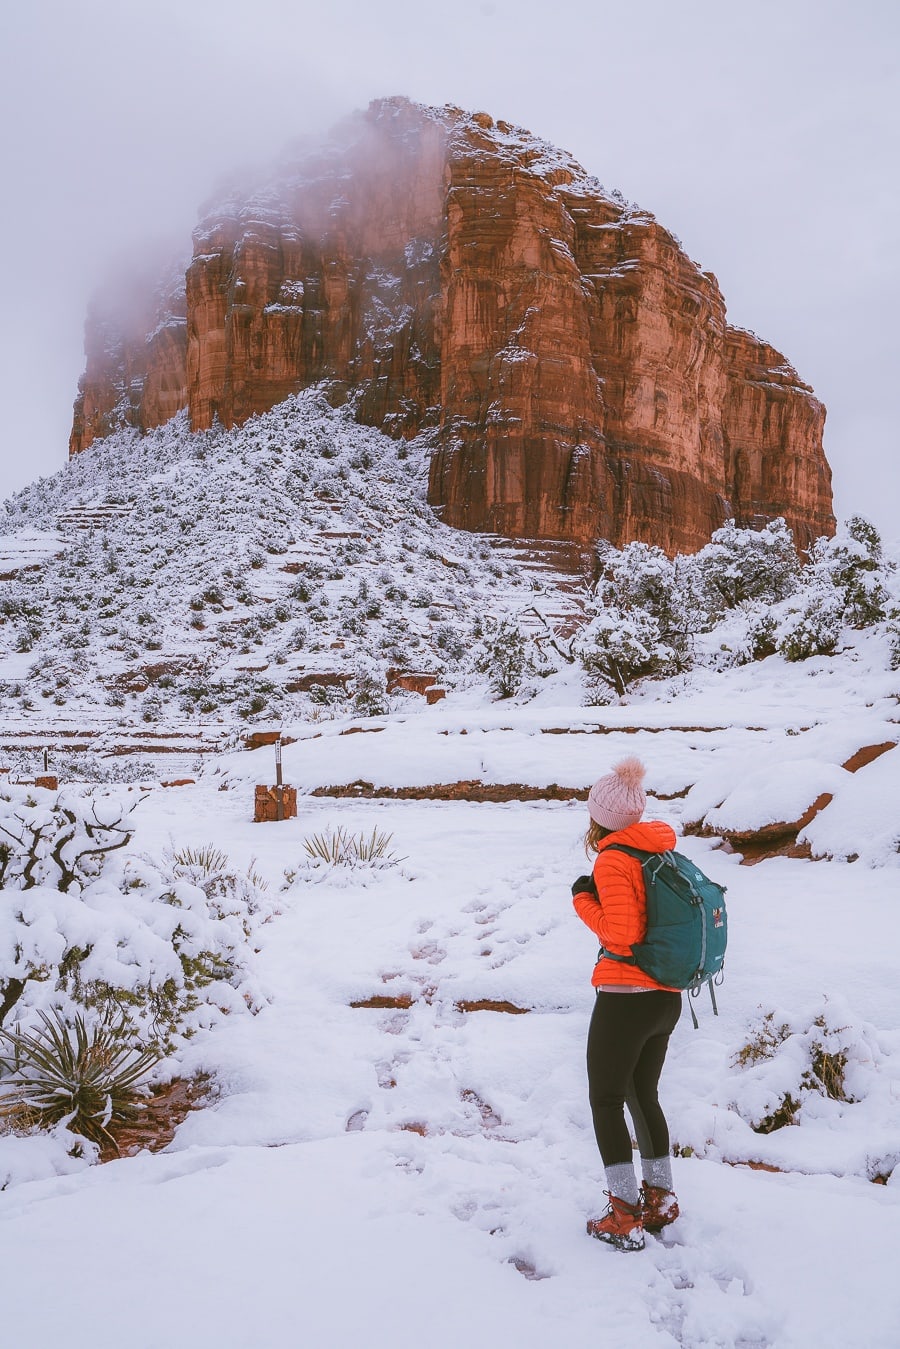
{"x": 648, "y": 835}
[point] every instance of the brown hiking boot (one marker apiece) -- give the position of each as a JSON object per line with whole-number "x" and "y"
{"x": 621, "y": 1225}
{"x": 660, "y": 1208}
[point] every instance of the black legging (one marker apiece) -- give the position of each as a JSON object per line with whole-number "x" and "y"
{"x": 626, "y": 1049}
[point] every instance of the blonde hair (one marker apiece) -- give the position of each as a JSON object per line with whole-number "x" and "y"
{"x": 595, "y": 832}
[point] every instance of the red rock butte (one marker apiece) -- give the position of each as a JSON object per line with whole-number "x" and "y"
{"x": 456, "y": 275}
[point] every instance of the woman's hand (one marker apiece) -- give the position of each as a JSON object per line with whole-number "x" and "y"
{"x": 584, "y": 886}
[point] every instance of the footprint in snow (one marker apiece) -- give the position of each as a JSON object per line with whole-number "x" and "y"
{"x": 429, "y": 951}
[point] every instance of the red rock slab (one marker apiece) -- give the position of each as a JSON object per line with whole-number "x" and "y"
{"x": 868, "y": 754}
{"x": 155, "y": 1127}
{"x": 490, "y": 1005}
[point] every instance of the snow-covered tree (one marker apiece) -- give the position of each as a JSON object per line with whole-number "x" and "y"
{"x": 852, "y": 562}
{"x": 892, "y": 630}
{"x": 369, "y": 688}
{"x": 810, "y": 624}
{"x": 502, "y": 655}
{"x": 745, "y": 564}
{"x": 641, "y": 577}
{"x": 615, "y": 649}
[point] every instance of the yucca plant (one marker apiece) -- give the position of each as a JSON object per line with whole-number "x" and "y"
{"x": 66, "y": 1073}
{"x": 337, "y": 847}
{"x": 198, "y": 864}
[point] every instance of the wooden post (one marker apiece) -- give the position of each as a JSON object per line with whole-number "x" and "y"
{"x": 279, "y": 788}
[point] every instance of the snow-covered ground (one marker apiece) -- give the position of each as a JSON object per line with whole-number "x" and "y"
{"x": 420, "y": 1170}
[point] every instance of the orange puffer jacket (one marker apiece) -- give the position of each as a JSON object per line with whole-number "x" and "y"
{"x": 618, "y": 915}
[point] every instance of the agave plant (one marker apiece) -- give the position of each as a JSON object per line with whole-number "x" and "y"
{"x": 66, "y": 1073}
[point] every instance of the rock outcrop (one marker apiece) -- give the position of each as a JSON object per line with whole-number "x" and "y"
{"x": 452, "y": 274}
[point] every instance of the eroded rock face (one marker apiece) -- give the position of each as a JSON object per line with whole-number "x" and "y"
{"x": 135, "y": 368}
{"x": 460, "y": 275}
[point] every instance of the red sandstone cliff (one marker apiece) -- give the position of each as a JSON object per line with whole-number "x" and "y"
{"x": 447, "y": 271}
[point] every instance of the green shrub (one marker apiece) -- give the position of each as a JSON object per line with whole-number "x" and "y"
{"x": 811, "y": 627}
{"x": 616, "y": 649}
{"x": 502, "y": 655}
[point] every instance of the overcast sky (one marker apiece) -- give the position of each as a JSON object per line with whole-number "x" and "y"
{"x": 765, "y": 134}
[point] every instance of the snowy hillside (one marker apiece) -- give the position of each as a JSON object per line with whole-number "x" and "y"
{"x": 187, "y": 577}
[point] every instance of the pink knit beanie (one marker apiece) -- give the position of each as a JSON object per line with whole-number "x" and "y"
{"x": 618, "y": 800}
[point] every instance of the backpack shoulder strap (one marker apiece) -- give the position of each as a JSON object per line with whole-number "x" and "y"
{"x": 643, "y": 858}
{"x": 638, "y": 853}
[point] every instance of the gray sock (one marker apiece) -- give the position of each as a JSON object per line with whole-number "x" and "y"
{"x": 622, "y": 1183}
{"x": 657, "y": 1171}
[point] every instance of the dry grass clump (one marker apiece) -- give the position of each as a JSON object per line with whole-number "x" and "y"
{"x": 827, "y": 1066}
{"x": 763, "y": 1043}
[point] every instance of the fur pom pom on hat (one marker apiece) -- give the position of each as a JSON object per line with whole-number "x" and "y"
{"x": 618, "y": 800}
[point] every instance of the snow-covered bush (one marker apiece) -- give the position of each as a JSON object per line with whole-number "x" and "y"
{"x": 745, "y": 634}
{"x": 615, "y": 649}
{"x": 59, "y": 840}
{"x": 229, "y": 892}
{"x": 502, "y": 654}
{"x": 369, "y": 688}
{"x": 852, "y": 563}
{"x": 794, "y": 1065}
{"x": 810, "y": 624}
{"x": 892, "y": 631}
{"x": 744, "y": 564}
{"x": 641, "y": 576}
{"x": 85, "y": 924}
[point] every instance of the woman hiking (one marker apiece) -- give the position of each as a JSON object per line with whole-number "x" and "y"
{"x": 633, "y": 1015}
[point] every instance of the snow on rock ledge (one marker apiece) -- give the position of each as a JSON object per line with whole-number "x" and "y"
{"x": 862, "y": 821}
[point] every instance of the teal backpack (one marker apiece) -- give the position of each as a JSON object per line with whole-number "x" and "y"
{"x": 687, "y": 926}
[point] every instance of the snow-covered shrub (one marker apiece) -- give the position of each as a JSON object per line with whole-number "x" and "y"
{"x": 892, "y": 631}
{"x": 327, "y": 695}
{"x": 67, "y": 1073}
{"x": 451, "y": 640}
{"x": 615, "y": 649}
{"x": 791, "y": 1065}
{"x": 746, "y": 634}
{"x": 502, "y": 655}
{"x": 61, "y": 840}
{"x": 641, "y": 576}
{"x": 744, "y": 564}
{"x": 229, "y": 892}
{"x": 810, "y": 624}
{"x": 369, "y": 688}
{"x": 84, "y": 924}
{"x": 852, "y": 563}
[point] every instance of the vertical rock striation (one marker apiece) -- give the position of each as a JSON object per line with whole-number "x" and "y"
{"x": 454, "y": 274}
